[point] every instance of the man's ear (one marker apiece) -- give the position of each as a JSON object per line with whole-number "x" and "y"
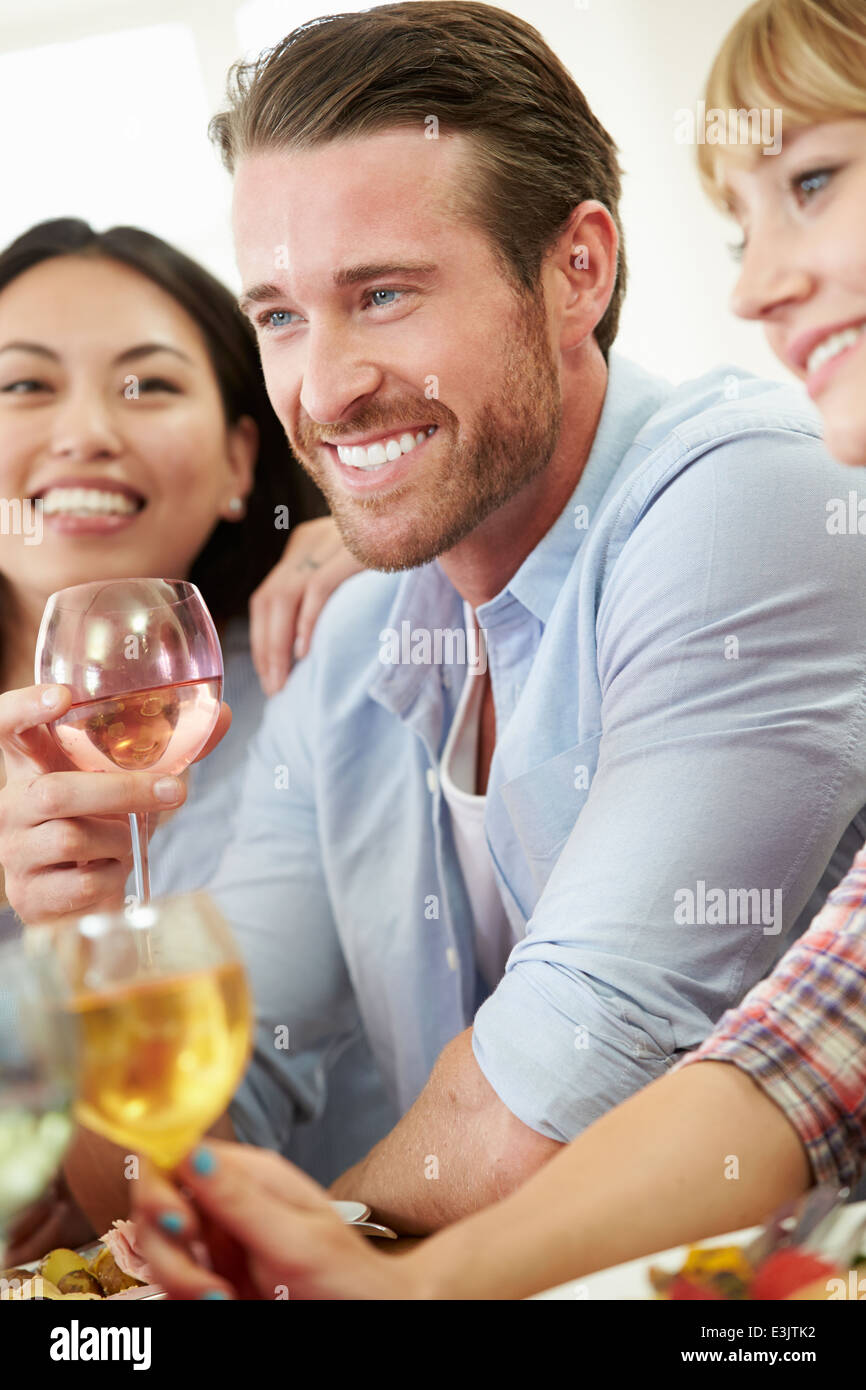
{"x": 242, "y": 447}
{"x": 585, "y": 256}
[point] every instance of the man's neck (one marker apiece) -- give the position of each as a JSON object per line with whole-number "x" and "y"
{"x": 482, "y": 564}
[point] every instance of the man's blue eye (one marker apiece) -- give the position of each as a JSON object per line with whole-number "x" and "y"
{"x": 373, "y": 293}
{"x": 282, "y": 314}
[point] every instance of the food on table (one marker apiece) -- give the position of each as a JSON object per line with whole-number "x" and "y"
{"x": 58, "y": 1263}
{"x": 35, "y": 1286}
{"x": 81, "y": 1281}
{"x": 726, "y": 1273}
{"x": 115, "y": 1270}
{"x": 112, "y": 1278}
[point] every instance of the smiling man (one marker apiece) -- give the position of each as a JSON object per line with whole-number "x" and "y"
{"x": 426, "y": 224}
{"x": 482, "y": 871}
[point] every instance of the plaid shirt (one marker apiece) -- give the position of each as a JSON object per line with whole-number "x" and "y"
{"x": 801, "y": 1034}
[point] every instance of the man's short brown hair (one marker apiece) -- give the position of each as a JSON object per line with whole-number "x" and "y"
{"x": 537, "y": 149}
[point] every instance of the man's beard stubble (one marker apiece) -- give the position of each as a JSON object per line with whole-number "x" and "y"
{"x": 512, "y": 442}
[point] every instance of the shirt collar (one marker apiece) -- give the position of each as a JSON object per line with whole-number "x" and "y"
{"x": 426, "y": 598}
{"x": 631, "y": 396}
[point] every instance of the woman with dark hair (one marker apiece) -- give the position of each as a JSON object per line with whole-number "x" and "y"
{"x": 132, "y": 407}
{"x": 133, "y": 412}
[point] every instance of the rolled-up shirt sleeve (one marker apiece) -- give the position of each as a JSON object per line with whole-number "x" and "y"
{"x": 731, "y": 648}
{"x": 801, "y": 1035}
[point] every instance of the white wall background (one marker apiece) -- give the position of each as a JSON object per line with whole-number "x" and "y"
{"x": 104, "y": 107}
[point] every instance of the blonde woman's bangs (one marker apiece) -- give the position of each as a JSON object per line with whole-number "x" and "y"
{"x": 805, "y": 58}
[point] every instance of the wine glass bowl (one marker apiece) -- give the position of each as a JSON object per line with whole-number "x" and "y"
{"x": 165, "y": 1035}
{"x": 143, "y": 662}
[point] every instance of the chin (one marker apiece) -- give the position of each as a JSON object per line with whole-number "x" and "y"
{"x": 845, "y": 438}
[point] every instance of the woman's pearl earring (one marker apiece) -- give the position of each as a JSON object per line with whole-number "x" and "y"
{"x": 236, "y": 507}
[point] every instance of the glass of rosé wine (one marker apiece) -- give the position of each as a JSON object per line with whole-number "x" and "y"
{"x": 143, "y": 661}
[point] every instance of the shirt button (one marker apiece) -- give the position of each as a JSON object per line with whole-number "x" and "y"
{"x": 451, "y": 957}
{"x": 432, "y": 779}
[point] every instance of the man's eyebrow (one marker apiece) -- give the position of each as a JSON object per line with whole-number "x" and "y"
{"x": 349, "y": 275}
{"x": 352, "y": 274}
{"x": 128, "y": 355}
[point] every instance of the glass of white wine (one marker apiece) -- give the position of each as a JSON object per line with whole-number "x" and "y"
{"x": 165, "y": 1034}
{"x": 38, "y": 1058}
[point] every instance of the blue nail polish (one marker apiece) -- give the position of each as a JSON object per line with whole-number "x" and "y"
{"x": 213, "y": 1293}
{"x": 170, "y": 1221}
{"x": 203, "y": 1162}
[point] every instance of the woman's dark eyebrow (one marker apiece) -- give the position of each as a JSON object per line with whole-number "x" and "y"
{"x": 21, "y": 346}
{"x": 145, "y": 349}
{"x": 129, "y": 355}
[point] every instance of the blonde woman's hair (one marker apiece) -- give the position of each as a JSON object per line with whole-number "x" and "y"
{"x": 806, "y": 58}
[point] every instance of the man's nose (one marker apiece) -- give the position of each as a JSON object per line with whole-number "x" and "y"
{"x": 337, "y": 373}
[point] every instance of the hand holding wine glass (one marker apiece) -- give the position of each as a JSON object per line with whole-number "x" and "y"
{"x": 64, "y": 834}
{"x": 143, "y": 662}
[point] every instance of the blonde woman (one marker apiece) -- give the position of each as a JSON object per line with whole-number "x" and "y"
{"x": 781, "y": 1082}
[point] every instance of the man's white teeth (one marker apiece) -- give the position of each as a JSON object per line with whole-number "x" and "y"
{"x": 832, "y": 346}
{"x": 85, "y": 501}
{"x": 383, "y": 451}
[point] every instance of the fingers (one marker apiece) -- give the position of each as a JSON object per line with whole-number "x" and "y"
{"x": 154, "y": 1196}
{"x": 263, "y": 1166}
{"x": 56, "y": 893}
{"x": 167, "y": 1230}
{"x": 268, "y": 1229}
{"x": 285, "y": 608}
{"x": 174, "y": 1267}
{"x": 316, "y": 594}
{"x": 23, "y": 737}
{"x": 276, "y": 1223}
{"x": 59, "y": 859}
{"x": 273, "y": 614}
{"x": 66, "y": 865}
{"x": 57, "y": 795}
{"x": 70, "y": 843}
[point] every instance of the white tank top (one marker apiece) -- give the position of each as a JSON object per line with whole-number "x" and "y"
{"x": 492, "y": 930}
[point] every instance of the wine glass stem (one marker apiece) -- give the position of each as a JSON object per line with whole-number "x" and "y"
{"x": 138, "y": 830}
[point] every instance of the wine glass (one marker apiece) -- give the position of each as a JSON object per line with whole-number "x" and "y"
{"x": 165, "y": 1038}
{"x": 38, "y": 1057}
{"x": 143, "y": 661}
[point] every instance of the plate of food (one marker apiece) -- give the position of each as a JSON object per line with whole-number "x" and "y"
{"x": 721, "y": 1269}
{"x": 111, "y": 1268}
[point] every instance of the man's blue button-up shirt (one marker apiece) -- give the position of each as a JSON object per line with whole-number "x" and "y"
{"x": 678, "y": 676}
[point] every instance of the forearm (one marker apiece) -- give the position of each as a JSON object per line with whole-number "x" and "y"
{"x": 457, "y": 1149}
{"x": 692, "y": 1155}
{"x": 99, "y": 1174}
